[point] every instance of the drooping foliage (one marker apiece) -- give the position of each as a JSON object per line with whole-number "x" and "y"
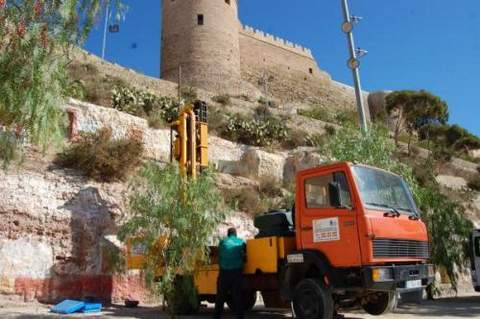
{"x": 36, "y": 37}
{"x": 448, "y": 227}
{"x": 174, "y": 220}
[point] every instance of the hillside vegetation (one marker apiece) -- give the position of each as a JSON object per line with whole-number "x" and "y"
{"x": 411, "y": 136}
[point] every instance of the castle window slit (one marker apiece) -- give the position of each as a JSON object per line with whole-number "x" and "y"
{"x": 200, "y": 19}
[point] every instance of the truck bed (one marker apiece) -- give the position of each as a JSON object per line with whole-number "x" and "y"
{"x": 263, "y": 256}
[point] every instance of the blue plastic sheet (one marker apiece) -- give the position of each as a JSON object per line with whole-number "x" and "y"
{"x": 92, "y": 307}
{"x": 68, "y": 306}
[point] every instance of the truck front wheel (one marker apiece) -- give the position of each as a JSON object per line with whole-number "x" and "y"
{"x": 312, "y": 300}
{"x": 380, "y": 303}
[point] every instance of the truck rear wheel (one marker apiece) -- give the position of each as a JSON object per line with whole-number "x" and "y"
{"x": 312, "y": 300}
{"x": 249, "y": 300}
{"x": 380, "y": 303}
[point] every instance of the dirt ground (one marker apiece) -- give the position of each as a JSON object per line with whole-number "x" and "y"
{"x": 461, "y": 307}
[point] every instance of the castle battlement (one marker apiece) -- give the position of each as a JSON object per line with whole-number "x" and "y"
{"x": 274, "y": 40}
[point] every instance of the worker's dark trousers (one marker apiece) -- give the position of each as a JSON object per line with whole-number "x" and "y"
{"x": 230, "y": 283}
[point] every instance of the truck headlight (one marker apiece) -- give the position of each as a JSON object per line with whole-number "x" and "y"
{"x": 382, "y": 274}
{"x": 431, "y": 271}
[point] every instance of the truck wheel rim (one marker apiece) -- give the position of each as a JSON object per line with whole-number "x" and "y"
{"x": 310, "y": 304}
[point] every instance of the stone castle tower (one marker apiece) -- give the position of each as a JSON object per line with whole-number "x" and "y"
{"x": 219, "y": 54}
{"x": 201, "y": 36}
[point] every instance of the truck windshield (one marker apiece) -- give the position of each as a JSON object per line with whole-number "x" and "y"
{"x": 380, "y": 189}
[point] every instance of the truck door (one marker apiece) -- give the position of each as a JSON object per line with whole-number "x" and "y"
{"x": 330, "y": 230}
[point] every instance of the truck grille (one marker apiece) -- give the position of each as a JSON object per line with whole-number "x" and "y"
{"x": 393, "y": 248}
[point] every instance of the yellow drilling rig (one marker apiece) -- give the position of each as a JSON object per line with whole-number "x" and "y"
{"x": 190, "y": 145}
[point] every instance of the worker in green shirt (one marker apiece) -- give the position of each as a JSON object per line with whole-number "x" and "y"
{"x": 232, "y": 252}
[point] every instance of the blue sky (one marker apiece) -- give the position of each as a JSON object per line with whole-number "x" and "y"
{"x": 412, "y": 44}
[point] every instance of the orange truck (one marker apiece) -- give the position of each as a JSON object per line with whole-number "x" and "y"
{"x": 354, "y": 237}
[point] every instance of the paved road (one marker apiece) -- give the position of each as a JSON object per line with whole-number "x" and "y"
{"x": 454, "y": 308}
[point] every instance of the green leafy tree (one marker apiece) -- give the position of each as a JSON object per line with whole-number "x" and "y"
{"x": 174, "y": 219}
{"x": 449, "y": 139}
{"x": 413, "y": 109}
{"x": 36, "y": 37}
{"x": 449, "y": 229}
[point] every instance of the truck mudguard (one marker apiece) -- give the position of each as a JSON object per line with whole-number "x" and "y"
{"x": 305, "y": 264}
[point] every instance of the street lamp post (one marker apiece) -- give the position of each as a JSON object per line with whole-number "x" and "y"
{"x": 354, "y": 63}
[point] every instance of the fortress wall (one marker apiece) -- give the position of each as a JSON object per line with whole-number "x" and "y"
{"x": 276, "y": 41}
{"x": 293, "y": 72}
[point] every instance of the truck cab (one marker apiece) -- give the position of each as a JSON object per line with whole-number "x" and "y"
{"x": 358, "y": 235}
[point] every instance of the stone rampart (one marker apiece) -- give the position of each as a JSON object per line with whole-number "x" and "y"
{"x": 291, "y": 72}
{"x": 276, "y": 41}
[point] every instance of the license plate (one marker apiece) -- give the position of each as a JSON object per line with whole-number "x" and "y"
{"x": 413, "y": 284}
{"x": 295, "y": 259}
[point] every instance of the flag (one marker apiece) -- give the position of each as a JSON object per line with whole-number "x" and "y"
{"x": 114, "y": 28}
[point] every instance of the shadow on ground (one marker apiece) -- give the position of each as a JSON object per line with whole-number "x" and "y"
{"x": 465, "y": 307}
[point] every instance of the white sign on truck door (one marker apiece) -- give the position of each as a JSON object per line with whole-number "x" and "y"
{"x": 325, "y": 229}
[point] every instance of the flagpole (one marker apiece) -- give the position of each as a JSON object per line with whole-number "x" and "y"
{"x": 104, "y": 45}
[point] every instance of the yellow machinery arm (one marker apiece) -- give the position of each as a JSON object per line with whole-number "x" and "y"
{"x": 190, "y": 147}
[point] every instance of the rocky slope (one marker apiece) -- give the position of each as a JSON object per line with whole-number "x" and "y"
{"x": 55, "y": 221}
{"x": 56, "y": 224}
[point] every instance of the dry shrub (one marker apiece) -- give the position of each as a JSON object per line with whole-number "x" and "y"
{"x": 263, "y": 111}
{"x": 297, "y": 138}
{"x": 253, "y": 200}
{"x": 317, "y": 112}
{"x": 189, "y": 94}
{"x": 156, "y": 121}
{"x": 475, "y": 184}
{"x": 245, "y": 199}
{"x": 269, "y": 186}
{"x": 243, "y": 97}
{"x": 88, "y": 84}
{"x": 330, "y": 130}
{"x": 223, "y": 99}
{"x": 102, "y": 158}
{"x": 216, "y": 120}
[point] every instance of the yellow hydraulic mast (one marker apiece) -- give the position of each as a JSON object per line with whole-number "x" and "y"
{"x": 190, "y": 147}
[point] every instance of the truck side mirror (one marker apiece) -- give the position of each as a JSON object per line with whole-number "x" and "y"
{"x": 335, "y": 194}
